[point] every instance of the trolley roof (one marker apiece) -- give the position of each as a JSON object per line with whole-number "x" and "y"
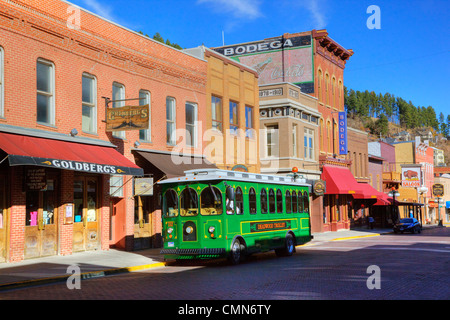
{"x": 201, "y": 175}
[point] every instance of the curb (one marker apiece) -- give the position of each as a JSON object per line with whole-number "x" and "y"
{"x": 83, "y": 276}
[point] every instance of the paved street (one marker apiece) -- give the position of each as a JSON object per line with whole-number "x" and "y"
{"x": 410, "y": 267}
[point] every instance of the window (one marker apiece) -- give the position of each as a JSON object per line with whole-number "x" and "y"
{"x": 288, "y": 202}
{"x": 309, "y": 144}
{"x": 2, "y": 107}
{"x": 211, "y": 201}
{"x": 300, "y": 202}
{"x": 116, "y": 186}
{"x": 279, "y": 201}
{"x": 145, "y": 99}
{"x": 294, "y": 141}
{"x": 263, "y": 198}
{"x": 272, "y": 208}
{"x": 252, "y": 200}
{"x": 189, "y": 202}
{"x": 294, "y": 202}
{"x": 89, "y": 104}
{"x": 272, "y": 141}
{"x": 319, "y": 84}
{"x": 191, "y": 122}
{"x": 234, "y": 119}
{"x": 305, "y": 202}
{"x": 45, "y": 72}
{"x": 216, "y": 113}
{"x": 249, "y": 132}
{"x": 118, "y": 91}
{"x": 230, "y": 202}
{"x": 170, "y": 203}
{"x": 239, "y": 201}
{"x": 170, "y": 121}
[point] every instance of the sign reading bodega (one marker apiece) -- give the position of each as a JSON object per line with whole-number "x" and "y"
{"x": 266, "y": 45}
{"x": 83, "y": 166}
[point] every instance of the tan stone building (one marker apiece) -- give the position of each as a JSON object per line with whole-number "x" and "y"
{"x": 231, "y": 139}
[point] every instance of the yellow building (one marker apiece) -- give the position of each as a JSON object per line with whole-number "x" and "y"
{"x": 232, "y": 96}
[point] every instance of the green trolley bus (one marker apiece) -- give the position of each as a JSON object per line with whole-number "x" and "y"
{"x": 218, "y": 213}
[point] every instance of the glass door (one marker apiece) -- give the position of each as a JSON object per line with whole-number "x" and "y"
{"x": 143, "y": 222}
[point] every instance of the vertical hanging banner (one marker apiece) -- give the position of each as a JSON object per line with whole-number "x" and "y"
{"x": 343, "y": 147}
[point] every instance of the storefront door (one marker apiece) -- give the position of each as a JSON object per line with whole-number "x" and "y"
{"x": 3, "y": 219}
{"x": 41, "y": 222}
{"x": 143, "y": 223}
{"x": 86, "y": 234}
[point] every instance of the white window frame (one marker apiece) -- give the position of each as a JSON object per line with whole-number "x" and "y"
{"x": 172, "y": 121}
{"x": 50, "y": 94}
{"x": 89, "y": 104}
{"x": 309, "y": 144}
{"x": 275, "y": 151}
{"x": 146, "y": 134}
{"x": 192, "y": 125}
{"x": 2, "y": 77}
{"x": 118, "y": 104}
{"x": 294, "y": 141}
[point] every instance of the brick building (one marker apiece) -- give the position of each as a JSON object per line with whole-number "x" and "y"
{"x": 66, "y": 184}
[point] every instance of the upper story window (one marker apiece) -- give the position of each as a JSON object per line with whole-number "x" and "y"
{"x": 216, "y": 113}
{"x": 118, "y": 91}
{"x": 2, "y": 107}
{"x": 234, "y": 118}
{"x": 294, "y": 141}
{"x": 191, "y": 123}
{"x": 89, "y": 103}
{"x": 170, "y": 121}
{"x": 272, "y": 141}
{"x": 145, "y": 99}
{"x": 309, "y": 144}
{"x": 45, "y": 74}
{"x": 249, "y": 130}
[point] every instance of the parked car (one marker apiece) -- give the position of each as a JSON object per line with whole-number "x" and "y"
{"x": 408, "y": 224}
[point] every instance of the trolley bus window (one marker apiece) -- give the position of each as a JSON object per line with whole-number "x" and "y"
{"x": 300, "y": 202}
{"x": 279, "y": 201}
{"x": 263, "y": 197}
{"x": 306, "y": 202}
{"x": 288, "y": 202}
{"x": 211, "y": 201}
{"x": 294, "y": 202}
{"x": 252, "y": 200}
{"x": 230, "y": 200}
{"x": 189, "y": 202}
{"x": 239, "y": 201}
{"x": 272, "y": 201}
{"x": 170, "y": 203}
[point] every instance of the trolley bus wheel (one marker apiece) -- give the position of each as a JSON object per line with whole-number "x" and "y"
{"x": 237, "y": 252}
{"x": 289, "y": 247}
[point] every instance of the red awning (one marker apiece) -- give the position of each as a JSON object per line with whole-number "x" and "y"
{"x": 340, "y": 181}
{"x": 34, "y": 151}
{"x": 368, "y": 192}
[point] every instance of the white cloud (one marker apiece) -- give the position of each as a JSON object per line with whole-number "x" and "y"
{"x": 317, "y": 12}
{"x": 99, "y": 8}
{"x": 249, "y": 9}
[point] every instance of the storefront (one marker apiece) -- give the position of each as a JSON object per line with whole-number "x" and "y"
{"x": 54, "y": 194}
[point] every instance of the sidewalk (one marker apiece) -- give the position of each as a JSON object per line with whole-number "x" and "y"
{"x": 102, "y": 263}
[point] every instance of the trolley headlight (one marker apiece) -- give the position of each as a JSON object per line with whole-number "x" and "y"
{"x": 189, "y": 230}
{"x": 211, "y": 229}
{"x": 170, "y": 230}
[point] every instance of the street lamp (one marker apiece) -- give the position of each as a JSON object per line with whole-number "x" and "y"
{"x": 394, "y": 193}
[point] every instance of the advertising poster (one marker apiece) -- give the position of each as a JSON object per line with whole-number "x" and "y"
{"x": 411, "y": 177}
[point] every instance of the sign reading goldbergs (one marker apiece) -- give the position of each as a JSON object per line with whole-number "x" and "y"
{"x": 127, "y": 118}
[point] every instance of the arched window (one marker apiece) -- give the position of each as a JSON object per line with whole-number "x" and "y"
{"x": 272, "y": 207}
{"x": 239, "y": 201}
{"x": 263, "y": 198}
{"x": 170, "y": 203}
{"x": 252, "y": 200}
{"x": 300, "y": 202}
{"x": 288, "y": 202}
{"x": 319, "y": 85}
{"x": 189, "y": 202}
{"x": 211, "y": 201}
{"x": 279, "y": 201}
{"x": 294, "y": 202}
{"x": 306, "y": 202}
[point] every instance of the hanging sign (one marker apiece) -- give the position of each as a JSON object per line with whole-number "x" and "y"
{"x": 127, "y": 118}
{"x": 343, "y": 145}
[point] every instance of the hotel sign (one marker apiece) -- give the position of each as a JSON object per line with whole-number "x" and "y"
{"x": 127, "y": 118}
{"x": 343, "y": 140}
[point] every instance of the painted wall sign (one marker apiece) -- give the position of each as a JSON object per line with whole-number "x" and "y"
{"x": 343, "y": 139}
{"x": 127, "y": 118}
{"x": 36, "y": 179}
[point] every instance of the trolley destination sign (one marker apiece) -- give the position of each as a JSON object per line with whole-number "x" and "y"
{"x": 269, "y": 225}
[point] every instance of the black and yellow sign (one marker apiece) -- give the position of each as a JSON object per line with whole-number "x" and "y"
{"x": 127, "y": 118}
{"x": 270, "y": 225}
{"x": 438, "y": 190}
{"x": 319, "y": 187}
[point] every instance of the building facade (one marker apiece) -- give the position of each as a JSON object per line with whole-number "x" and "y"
{"x": 68, "y": 184}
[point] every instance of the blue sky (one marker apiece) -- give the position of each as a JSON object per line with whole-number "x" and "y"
{"x": 408, "y": 57}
